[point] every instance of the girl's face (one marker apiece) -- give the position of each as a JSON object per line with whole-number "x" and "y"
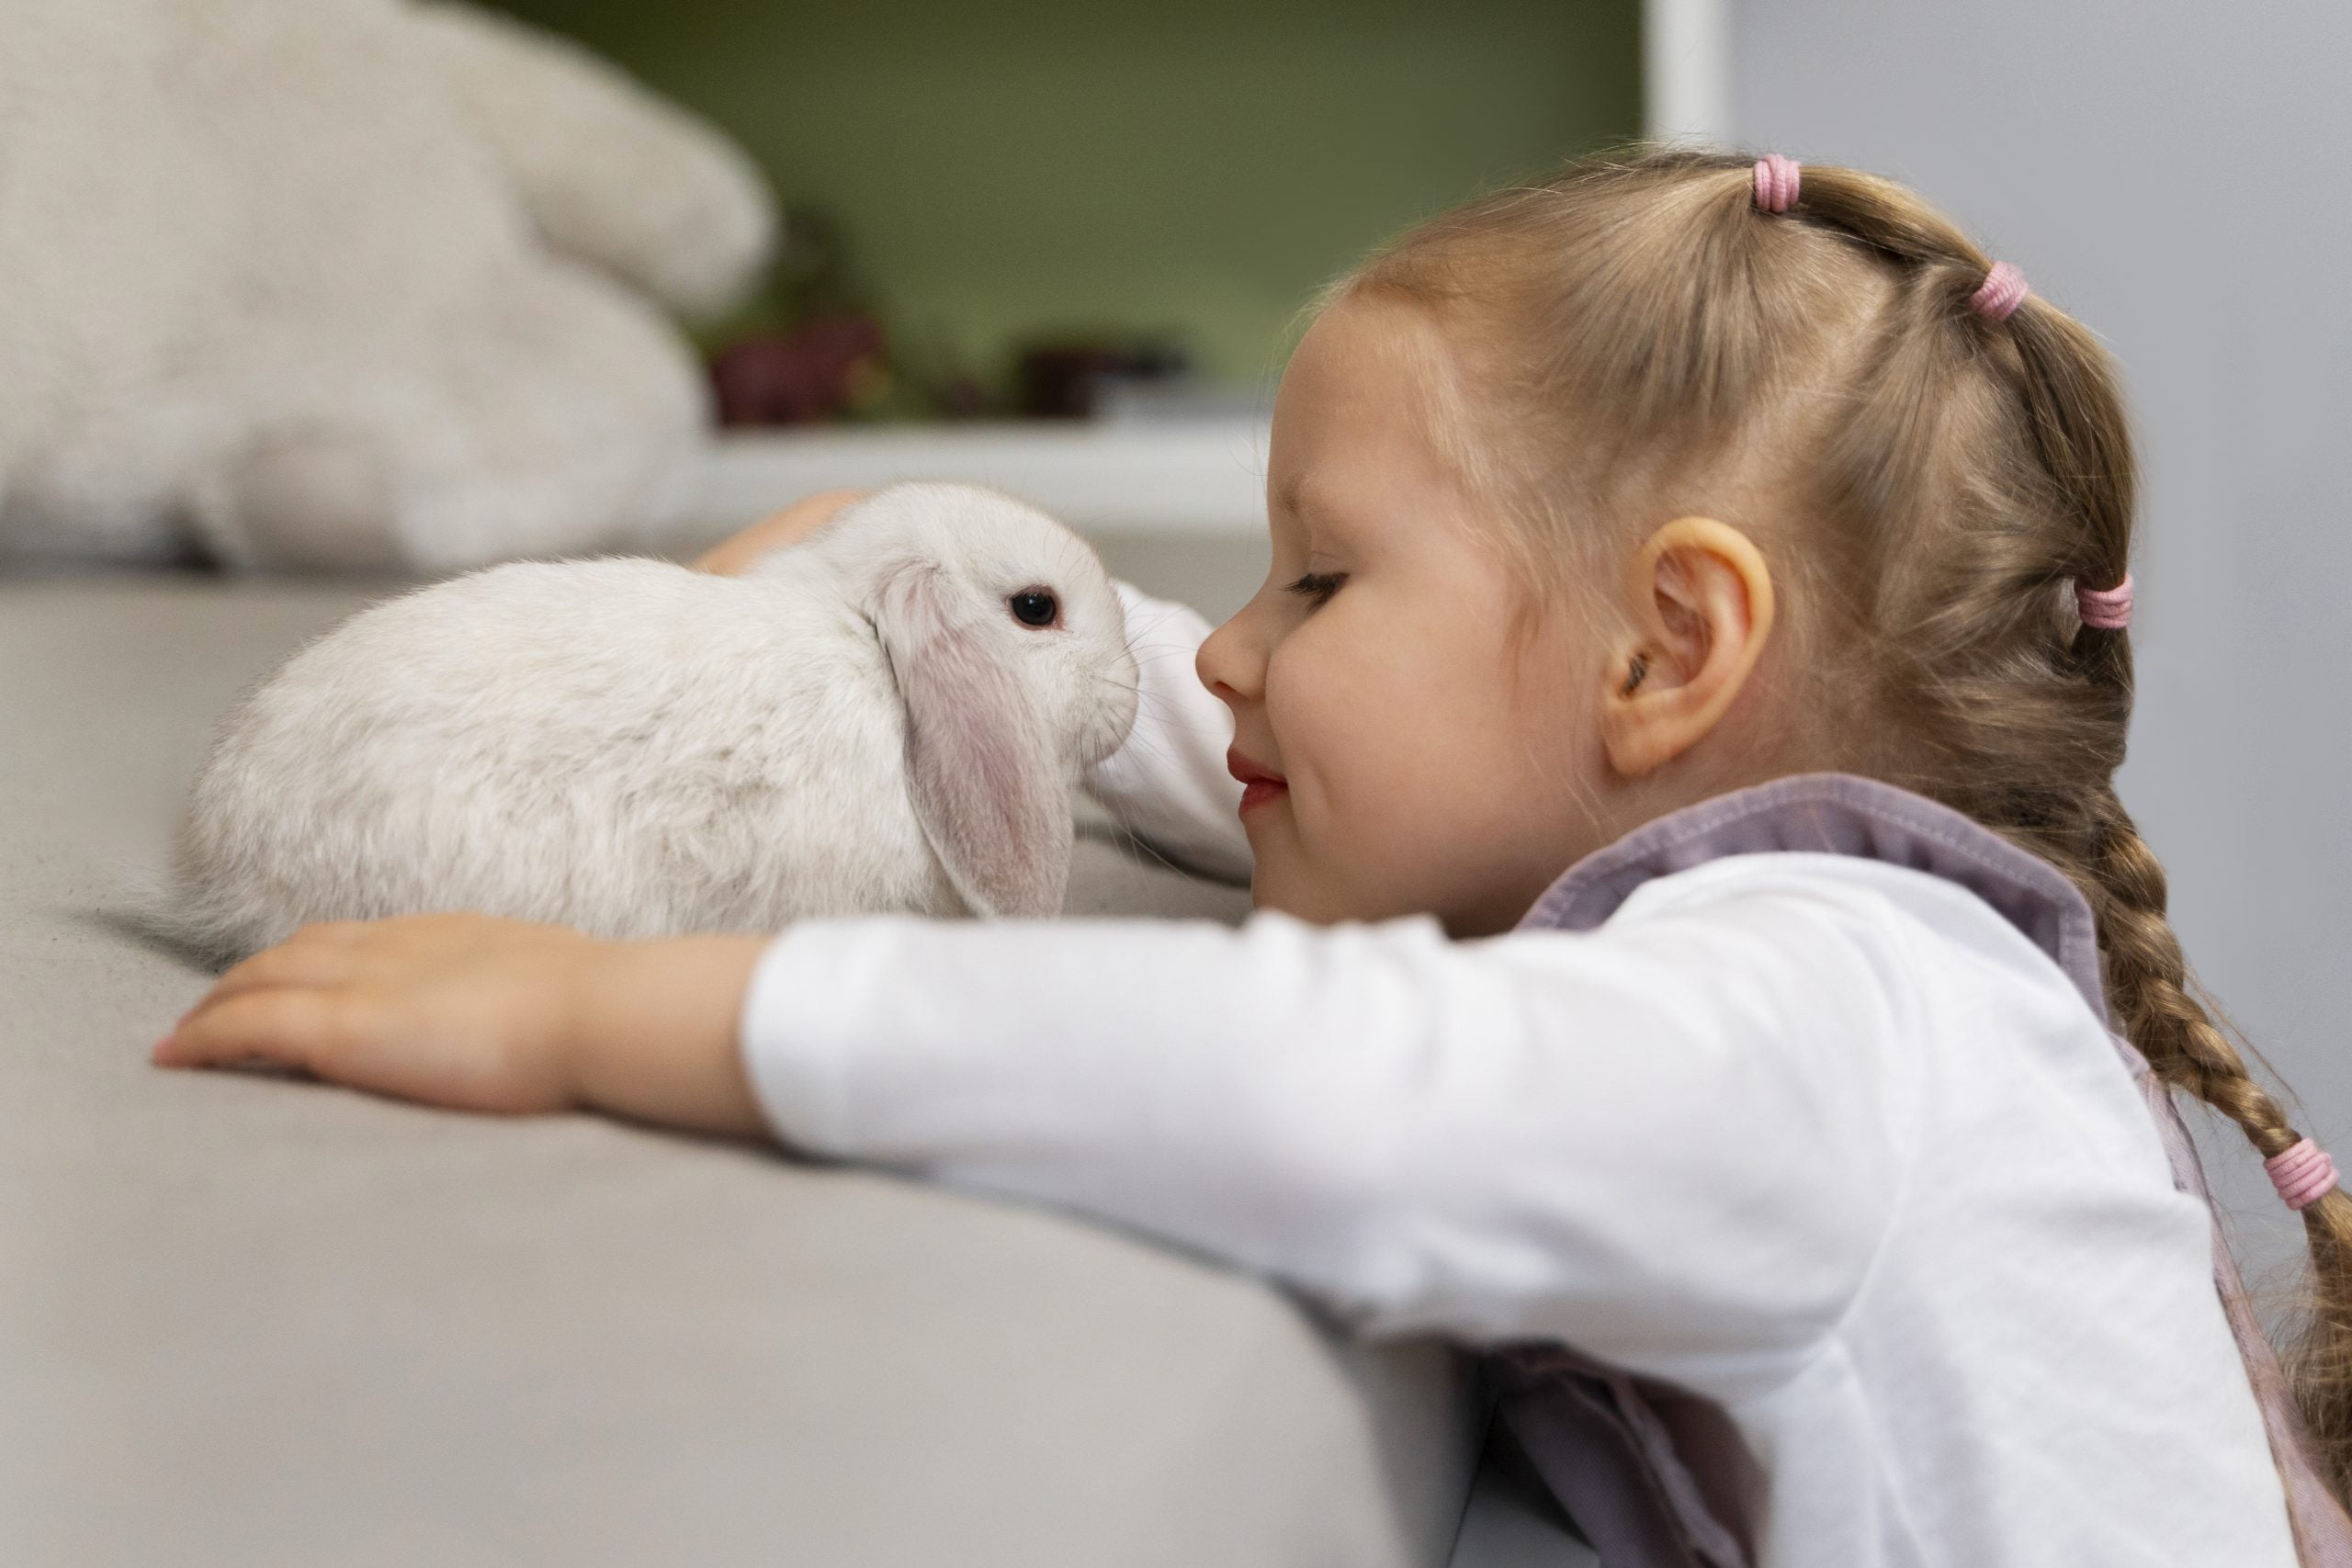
{"x": 1426, "y": 762}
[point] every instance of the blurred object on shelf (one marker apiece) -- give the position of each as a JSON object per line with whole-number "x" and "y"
{"x": 962, "y": 397}
{"x": 814, "y": 350}
{"x": 1031, "y": 173}
{"x": 938, "y": 382}
{"x": 1065, "y": 378}
{"x": 814, "y": 373}
{"x": 815, "y": 347}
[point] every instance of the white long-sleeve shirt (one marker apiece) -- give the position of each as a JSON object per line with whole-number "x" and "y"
{"x": 1167, "y": 783}
{"x": 1823, "y": 1139}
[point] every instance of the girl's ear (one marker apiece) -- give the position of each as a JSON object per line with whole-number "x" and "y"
{"x": 982, "y": 768}
{"x": 1700, "y": 608}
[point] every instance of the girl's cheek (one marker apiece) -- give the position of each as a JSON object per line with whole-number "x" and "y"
{"x": 1306, "y": 709}
{"x": 1324, "y": 704}
{"x": 1308, "y": 689}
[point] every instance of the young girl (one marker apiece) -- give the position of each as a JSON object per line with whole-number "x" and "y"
{"x": 1677, "y": 733}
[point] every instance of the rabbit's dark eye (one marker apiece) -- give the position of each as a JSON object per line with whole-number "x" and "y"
{"x": 1034, "y": 608}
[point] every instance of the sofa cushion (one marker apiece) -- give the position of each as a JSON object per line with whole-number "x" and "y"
{"x": 250, "y": 1320}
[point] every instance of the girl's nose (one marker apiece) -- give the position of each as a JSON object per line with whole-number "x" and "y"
{"x": 1232, "y": 662}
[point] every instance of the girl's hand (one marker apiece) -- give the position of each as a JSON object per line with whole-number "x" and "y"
{"x": 483, "y": 1014}
{"x": 789, "y": 526}
{"x": 453, "y": 1009}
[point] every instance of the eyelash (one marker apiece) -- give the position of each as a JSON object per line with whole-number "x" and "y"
{"x": 1318, "y": 587}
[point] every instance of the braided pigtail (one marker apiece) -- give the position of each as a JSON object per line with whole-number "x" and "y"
{"x": 2026, "y": 709}
{"x": 2023, "y": 683}
{"x": 2148, "y": 986}
{"x": 2149, "y": 991}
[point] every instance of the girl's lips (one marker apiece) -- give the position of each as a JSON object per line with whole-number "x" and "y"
{"x": 1263, "y": 784}
{"x": 1262, "y": 791}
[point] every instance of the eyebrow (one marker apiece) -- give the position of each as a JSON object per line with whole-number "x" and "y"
{"x": 1294, "y": 496}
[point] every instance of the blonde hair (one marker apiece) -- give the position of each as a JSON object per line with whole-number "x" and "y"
{"x": 1929, "y": 484}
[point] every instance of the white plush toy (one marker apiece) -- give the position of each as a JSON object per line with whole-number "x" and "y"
{"x": 346, "y": 285}
{"x": 887, "y": 718}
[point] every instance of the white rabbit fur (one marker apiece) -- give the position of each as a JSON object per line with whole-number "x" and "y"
{"x": 857, "y": 723}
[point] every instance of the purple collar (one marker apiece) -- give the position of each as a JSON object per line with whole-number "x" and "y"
{"x": 1838, "y": 814}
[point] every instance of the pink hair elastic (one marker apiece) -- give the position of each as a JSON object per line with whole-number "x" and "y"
{"x": 2000, "y": 294}
{"x": 2109, "y": 609}
{"x": 1775, "y": 183}
{"x": 2303, "y": 1173}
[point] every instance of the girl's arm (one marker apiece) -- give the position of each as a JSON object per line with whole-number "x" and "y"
{"x": 482, "y": 1014}
{"x": 1673, "y": 1137}
{"x": 1167, "y": 783}
{"x": 1678, "y": 1136}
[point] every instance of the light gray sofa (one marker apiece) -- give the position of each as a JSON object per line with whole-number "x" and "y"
{"x": 249, "y": 1321}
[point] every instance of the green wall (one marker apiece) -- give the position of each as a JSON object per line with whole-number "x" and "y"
{"x": 1198, "y": 167}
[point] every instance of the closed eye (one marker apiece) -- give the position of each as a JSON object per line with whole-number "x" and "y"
{"x": 1316, "y": 587}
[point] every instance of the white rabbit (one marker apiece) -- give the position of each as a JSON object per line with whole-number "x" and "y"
{"x": 887, "y": 716}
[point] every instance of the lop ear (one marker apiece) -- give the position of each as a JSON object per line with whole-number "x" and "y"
{"x": 981, "y": 765}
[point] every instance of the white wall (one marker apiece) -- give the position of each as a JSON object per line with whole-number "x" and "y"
{"x": 1686, "y": 70}
{"x": 2179, "y": 177}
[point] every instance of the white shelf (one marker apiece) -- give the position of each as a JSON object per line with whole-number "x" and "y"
{"x": 1196, "y": 476}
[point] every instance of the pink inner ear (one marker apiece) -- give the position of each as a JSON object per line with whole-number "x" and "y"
{"x": 984, "y": 773}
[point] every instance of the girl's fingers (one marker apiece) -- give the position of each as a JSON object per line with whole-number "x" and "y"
{"x": 451, "y": 1009}
{"x": 294, "y": 1028}
{"x": 315, "y": 955}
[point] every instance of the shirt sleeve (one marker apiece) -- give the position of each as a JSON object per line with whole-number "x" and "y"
{"x": 1167, "y": 784}
{"x": 1671, "y": 1141}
